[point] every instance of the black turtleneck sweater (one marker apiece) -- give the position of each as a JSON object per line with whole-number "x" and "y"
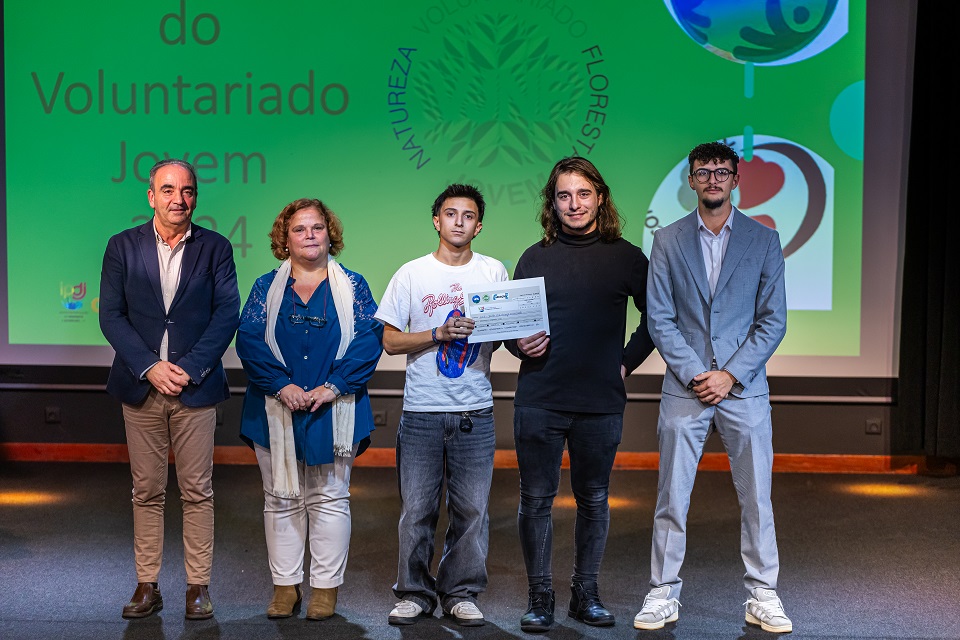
{"x": 588, "y": 283}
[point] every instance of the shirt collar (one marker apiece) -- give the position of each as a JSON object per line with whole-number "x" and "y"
{"x": 182, "y": 240}
{"x": 727, "y": 226}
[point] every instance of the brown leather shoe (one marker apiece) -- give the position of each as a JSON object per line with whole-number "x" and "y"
{"x": 199, "y": 606}
{"x": 285, "y": 601}
{"x": 146, "y": 601}
{"x": 322, "y": 604}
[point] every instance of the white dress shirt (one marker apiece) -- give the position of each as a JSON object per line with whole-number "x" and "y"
{"x": 171, "y": 261}
{"x": 714, "y": 247}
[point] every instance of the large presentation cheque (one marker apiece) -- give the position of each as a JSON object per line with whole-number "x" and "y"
{"x": 514, "y": 309}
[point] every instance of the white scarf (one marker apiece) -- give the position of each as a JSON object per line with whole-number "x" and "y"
{"x": 283, "y": 458}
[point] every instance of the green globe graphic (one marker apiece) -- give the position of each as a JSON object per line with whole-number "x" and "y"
{"x": 755, "y": 31}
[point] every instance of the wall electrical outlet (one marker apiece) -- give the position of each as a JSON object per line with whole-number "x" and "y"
{"x": 51, "y": 415}
{"x": 379, "y": 418}
{"x": 874, "y": 426}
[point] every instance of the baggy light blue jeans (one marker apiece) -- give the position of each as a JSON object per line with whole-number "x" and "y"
{"x": 455, "y": 448}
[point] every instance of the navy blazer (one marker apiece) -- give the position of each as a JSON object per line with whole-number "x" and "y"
{"x": 202, "y": 319}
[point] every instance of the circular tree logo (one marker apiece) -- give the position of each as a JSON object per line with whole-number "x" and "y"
{"x": 482, "y": 93}
{"x": 493, "y": 92}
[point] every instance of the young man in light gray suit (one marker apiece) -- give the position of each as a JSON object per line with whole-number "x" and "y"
{"x": 717, "y": 311}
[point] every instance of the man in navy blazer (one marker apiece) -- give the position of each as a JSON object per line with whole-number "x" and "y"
{"x": 169, "y": 306}
{"x": 717, "y": 311}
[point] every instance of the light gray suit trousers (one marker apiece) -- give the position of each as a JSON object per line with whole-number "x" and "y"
{"x": 737, "y": 328}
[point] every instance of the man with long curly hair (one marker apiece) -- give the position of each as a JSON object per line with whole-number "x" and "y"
{"x": 571, "y": 384}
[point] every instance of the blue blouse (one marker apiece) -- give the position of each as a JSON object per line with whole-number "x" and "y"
{"x": 310, "y": 354}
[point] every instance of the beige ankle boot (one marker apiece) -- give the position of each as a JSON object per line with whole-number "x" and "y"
{"x": 322, "y": 604}
{"x": 285, "y": 601}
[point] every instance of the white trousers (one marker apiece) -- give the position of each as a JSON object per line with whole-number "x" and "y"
{"x": 323, "y": 509}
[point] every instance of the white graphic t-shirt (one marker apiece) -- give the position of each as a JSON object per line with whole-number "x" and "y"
{"x": 420, "y": 296}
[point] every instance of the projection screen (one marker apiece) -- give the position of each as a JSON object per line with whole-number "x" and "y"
{"x": 376, "y": 108}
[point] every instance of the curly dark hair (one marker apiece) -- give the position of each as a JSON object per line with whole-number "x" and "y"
{"x": 278, "y": 234}
{"x": 609, "y": 220}
{"x": 713, "y": 152}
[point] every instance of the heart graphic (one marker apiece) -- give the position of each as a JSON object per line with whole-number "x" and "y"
{"x": 766, "y": 221}
{"x": 759, "y": 181}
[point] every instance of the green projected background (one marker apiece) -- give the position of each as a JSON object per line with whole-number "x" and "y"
{"x": 374, "y": 109}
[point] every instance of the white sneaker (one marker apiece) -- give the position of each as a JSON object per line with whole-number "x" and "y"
{"x": 766, "y": 610}
{"x": 467, "y": 614}
{"x": 405, "y": 612}
{"x": 657, "y": 610}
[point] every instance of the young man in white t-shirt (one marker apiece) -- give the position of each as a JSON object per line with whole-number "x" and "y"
{"x": 446, "y": 430}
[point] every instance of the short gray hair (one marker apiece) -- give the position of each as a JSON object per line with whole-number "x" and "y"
{"x": 169, "y": 161}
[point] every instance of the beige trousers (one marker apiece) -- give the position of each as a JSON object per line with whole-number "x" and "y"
{"x": 154, "y": 427}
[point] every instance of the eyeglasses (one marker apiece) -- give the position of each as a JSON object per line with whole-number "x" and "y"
{"x": 721, "y": 174}
{"x": 466, "y": 424}
{"x": 296, "y": 318}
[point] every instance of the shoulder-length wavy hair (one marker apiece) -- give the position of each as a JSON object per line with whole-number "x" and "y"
{"x": 609, "y": 221}
{"x": 281, "y": 226}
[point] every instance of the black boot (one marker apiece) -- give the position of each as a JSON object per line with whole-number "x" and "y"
{"x": 539, "y": 615}
{"x": 585, "y": 605}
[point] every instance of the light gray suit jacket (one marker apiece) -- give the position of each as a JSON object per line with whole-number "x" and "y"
{"x": 740, "y": 326}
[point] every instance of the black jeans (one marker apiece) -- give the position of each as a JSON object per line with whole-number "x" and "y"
{"x": 592, "y": 441}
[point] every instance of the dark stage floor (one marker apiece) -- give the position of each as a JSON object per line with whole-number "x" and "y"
{"x": 861, "y": 556}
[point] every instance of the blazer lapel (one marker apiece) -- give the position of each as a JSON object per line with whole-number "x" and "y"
{"x": 688, "y": 240}
{"x": 148, "y": 253}
{"x": 741, "y": 237}
{"x": 191, "y": 252}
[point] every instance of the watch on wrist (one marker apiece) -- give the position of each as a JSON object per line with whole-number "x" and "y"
{"x": 332, "y": 387}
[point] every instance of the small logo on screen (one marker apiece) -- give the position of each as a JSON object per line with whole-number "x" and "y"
{"x": 71, "y": 296}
